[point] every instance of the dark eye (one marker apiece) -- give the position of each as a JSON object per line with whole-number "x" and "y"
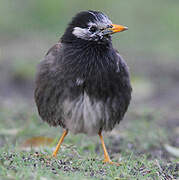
{"x": 109, "y": 26}
{"x": 93, "y": 29}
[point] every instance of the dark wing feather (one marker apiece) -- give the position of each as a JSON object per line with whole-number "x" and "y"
{"x": 54, "y": 50}
{"x": 125, "y": 78}
{"x": 122, "y": 95}
{"x": 49, "y": 86}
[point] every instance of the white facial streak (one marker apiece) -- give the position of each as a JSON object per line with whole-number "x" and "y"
{"x": 82, "y": 33}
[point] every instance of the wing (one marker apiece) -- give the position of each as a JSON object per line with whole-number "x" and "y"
{"x": 122, "y": 65}
{"x": 48, "y": 86}
{"x": 121, "y": 91}
{"x": 54, "y": 50}
{"x": 125, "y": 78}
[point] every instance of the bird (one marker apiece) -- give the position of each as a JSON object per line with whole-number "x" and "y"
{"x": 83, "y": 84}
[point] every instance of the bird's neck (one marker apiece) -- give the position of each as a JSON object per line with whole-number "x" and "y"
{"x": 84, "y": 44}
{"x": 87, "y": 59}
{"x": 87, "y": 49}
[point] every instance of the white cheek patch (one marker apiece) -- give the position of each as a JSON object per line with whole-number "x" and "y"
{"x": 82, "y": 33}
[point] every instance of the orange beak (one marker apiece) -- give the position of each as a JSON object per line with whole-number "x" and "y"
{"x": 117, "y": 28}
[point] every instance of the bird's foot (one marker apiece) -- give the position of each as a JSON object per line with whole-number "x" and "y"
{"x": 54, "y": 155}
{"x": 111, "y": 162}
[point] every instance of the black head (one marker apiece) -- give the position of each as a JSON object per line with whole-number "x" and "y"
{"x": 91, "y": 26}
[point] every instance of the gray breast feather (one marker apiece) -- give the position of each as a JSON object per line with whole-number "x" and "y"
{"x": 83, "y": 116}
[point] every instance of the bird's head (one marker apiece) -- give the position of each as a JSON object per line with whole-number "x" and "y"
{"x": 91, "y": 26}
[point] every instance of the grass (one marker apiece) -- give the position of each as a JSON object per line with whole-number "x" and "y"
{"x": 142, "y": 155}
{"x": 26, "y": 165}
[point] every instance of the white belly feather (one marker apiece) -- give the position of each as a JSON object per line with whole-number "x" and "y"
{"x": 83, "y": 116}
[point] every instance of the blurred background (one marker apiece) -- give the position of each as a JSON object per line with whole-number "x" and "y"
{"x": 150, "y": 47}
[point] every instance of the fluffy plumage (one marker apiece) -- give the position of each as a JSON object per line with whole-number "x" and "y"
{"x": 83, "y": 83}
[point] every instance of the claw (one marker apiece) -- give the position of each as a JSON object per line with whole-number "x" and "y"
{"x": 111, "y": 162}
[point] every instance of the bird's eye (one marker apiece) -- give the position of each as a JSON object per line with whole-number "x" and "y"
{"x": 93, "y": 29}
{"x": 109, "y": 26}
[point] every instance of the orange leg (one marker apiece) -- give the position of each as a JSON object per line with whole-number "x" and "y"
{"x": 106, "y": 155}
{"x": 59, "y": 143}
